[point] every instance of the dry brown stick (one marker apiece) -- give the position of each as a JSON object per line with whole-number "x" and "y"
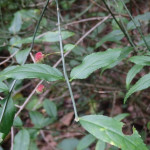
{"x": 11, "y": 56}
{"x": 85, "y": 20}
{"x": 75, "y": 22}
{"x": 22, "y": 88}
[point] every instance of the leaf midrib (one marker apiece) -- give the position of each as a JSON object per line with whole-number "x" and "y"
{"x": 91, "y": 65}
{"x": 58, "y": 77}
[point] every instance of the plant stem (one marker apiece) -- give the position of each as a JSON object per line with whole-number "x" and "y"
{"x": 63, "y": 62}
{"x": 135, "y": 25}
{"x": 121, "y": 28}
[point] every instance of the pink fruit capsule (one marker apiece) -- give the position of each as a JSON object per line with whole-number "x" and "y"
{"x": 40, "y": 89}
{"x": 39, "y": 57}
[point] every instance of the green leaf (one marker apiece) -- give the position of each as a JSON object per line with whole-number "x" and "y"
{"x": 124, "y": 53}
{"x": 54, "y": 36}
{"x": 100, "y": 145}
{"x": 40, "y": 71}
{"x": 17, "y": 122}
{"x": 34, "y": 104}
{"x": 15, "y": 46}
{"x": 132, "y": 73}
{"x": 8, "y": 116}
{"x": 85, "y": 142}
{"x": 121, "y": 116}
{"x": 140, "y": 60}
{"x": 113, "y": 36}
{"x": 109, "y": 130}
{"x": 51, "y": 108}
{"x": 144, "y": 17}
{"x": 33, "y": 146}
{"x": 3, "y": 87}
{"x": 34, "y": 132}
{"x": 113, "y": 148}
{"x": 141, "y": 84}
{"x": 68, "y": 144}
{"x": 16, "y": 24}
{"x": 69, "y": 47}
{"x": 2, "y": 136}
{"x": 28, "y": 17}
{"x": 22, "y": 140}
{"x": 38, "y": 119}
{"x": 21, "y": 56}
{"x": 141, "y": 42}
{"x": 93, "y": 62}
{"x": 47, "y": 37}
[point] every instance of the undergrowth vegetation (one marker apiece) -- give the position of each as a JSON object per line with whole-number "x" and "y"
{"x": 74, "y": 75}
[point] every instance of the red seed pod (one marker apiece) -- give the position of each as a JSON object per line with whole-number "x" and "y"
{"x": 40, "y": 89}
{"x": 39, "y": 57}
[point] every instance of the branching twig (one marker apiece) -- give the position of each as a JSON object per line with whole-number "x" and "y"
{"x": 83, "y": 37}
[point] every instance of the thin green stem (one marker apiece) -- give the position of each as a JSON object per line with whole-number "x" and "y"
{"x": 121, "y": 28}
{"x": 63, "y": 62}
{"x": 135, "y": 24}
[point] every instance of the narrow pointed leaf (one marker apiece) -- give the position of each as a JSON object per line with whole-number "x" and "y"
{"x": 8, "y": 116}
{"x": 40, "y": 71}
{"x": 141, "y": 84}
{"x": 132, "y": 73}
{"x": 140, "y": 60}
{"x": 95, "y": 61}
{"x": 109, "y": 130}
